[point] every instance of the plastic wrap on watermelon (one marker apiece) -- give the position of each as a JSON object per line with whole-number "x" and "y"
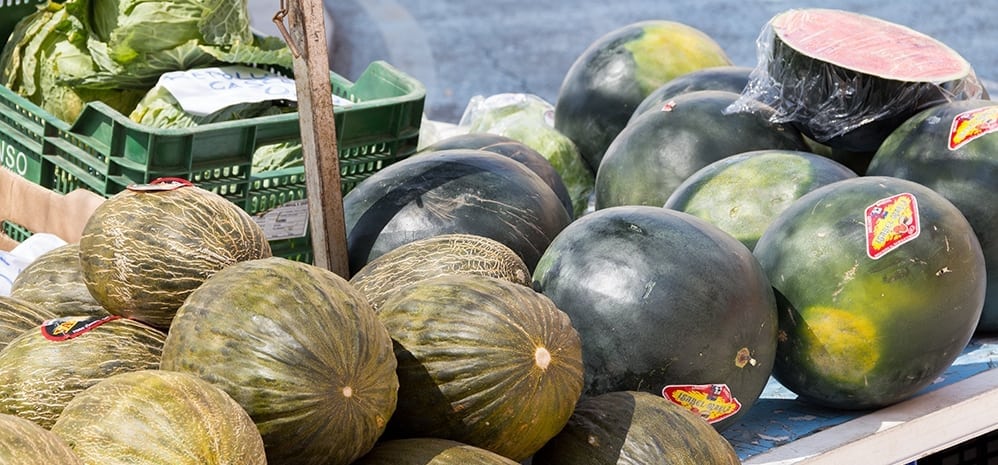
{"x": 847, "y": 80}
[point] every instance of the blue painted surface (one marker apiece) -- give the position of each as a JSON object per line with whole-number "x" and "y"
{"x": 778, "y": 417}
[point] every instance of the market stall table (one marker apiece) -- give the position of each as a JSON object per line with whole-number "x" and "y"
{"x": 959, "y": 406}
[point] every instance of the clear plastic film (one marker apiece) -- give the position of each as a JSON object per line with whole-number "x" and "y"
{"x": 847, "y": 80}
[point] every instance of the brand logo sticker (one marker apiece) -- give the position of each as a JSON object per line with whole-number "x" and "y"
{"x": 890, "y": 223}
{"x": 972, "y": 124}
{"x": 712, "y": 402}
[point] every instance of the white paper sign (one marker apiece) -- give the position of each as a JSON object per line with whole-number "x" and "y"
{"x": 287, "y": 221}
{"x": 203, "y": 91}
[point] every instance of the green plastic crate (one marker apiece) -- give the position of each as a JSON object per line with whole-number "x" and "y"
{"x": 104, "y": 151}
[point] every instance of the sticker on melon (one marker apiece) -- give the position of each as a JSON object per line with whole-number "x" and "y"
{"x": 61, "y": 329}
{"x": 890, "y": 223}
{"x": 712, "y": 402}
{"x": 971, "y": 125}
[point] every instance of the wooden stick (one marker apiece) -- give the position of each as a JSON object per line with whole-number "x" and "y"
{"x": 307, "y": 41}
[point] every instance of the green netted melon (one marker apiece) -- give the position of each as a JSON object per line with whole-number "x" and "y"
{"x": 55, "y": 280}
{"x": 635, "y": 428}
{"x": 434, "y": 256}
{"x": 23, "y": 442}
{"x": 430, "y": 451}
{"x": 299, "y": 348}
{"x": 611, "y": 77}
{"x": 42, "y": 370}
{"x": 155, "y": 417}
{"x": 482, "y": 361}
{"x": 143, "y": 251}
{"x": 18, "y": 316}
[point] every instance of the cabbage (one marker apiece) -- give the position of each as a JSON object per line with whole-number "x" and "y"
{"x": 132, "y": 42}
{"x": 47, "y": 49}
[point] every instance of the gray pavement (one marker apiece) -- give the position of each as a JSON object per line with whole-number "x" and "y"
{"x": 461, "y": 48}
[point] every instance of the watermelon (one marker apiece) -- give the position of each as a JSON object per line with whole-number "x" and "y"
{"x": 434, "y": 256}
{"x": 43, "y": 369}
{"x": 299, "y": 349}
{"x": 530, "y": 119}
{"x": 880, "y": 284}
{"x": 55, "y": 280}
{"x": 513, "y": 149}
{"x": 452, "y": 191}
{"x": 730, "y": 78}
{"x": 610, "y": 78}
{"x": 952, "y": 148}
{"x": 157, "y": 417}
{"x": 483, "y": 361}
{"x": 430, "y": 451}
{"x": 635, "y": 427}
{"x": 847, "y": 80}
{"x": 742, "y": 193}
{"x": 666, "y": 303}
{"x": 654, "y": 154}
{"x": 18, "y": 316}
{"x": 24, "y": 442}
{"x": 146, "y": 248}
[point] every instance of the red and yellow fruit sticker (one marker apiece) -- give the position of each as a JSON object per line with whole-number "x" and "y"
{"x": 890, "y": 223}
{"x": 712, "y": 402}
{"x": 61, "y": 329}
{"x": 972, "y": 124}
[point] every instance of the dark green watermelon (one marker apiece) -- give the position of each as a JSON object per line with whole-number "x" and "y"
{"x": 953, "y": 149}
{"x": 880, "y": 283}
{"x": 741, "y": 194}
{"x": 663, "y": 299}
{"x": 514, "y": 149}
{"x": 847, "y": 80}
{"x": 611, "y": 77}
{"x": 452, "y": 191}
{"x": 730, "y": 78}
{"x": 657, "y": 152}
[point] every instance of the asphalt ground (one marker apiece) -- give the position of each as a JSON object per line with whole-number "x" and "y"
{"x": 462, "y": 48}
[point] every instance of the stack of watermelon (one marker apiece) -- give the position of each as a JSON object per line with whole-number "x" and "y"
{"x": 790, "y": 221}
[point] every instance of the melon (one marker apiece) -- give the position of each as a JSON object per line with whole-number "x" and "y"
{"x": 530, "y": 119}
{"x": 730, "y": 78}
{"x": 635, "y": 427}
{"x": 452, "y": 191}
{"x": 156, "y": 417}
{"x": 847, "y": 80}
{"x": 880, "y": 284}
{"x": 741, "y": 194}
{"x": 146, "y": 248}
{"x": 299, "y": 349}
{"x": 653, "y": 155}
{"x": 55, "y": 280}
{"x": 482, "y": 361}
{"x": 43, "y": 369}
{"x": 952, "y": 149}
{"x": 23, "y": 442}
{"x": 664, "y": 302}
{"x": 513, "y": 149}
{"x": 18, "y": 316}
{"x": 434, "y": 256}
{"x": 430, "y": 451}
{"x": 610, "y": 78}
